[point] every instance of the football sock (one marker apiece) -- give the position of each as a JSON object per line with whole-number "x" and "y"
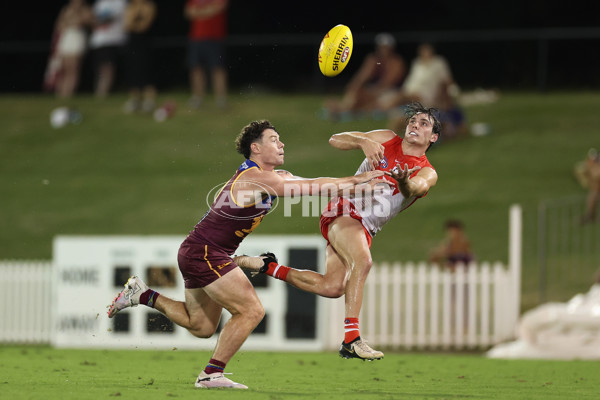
{"x": 149, "y": 297}
{"x": 277, "y": 270}
{"x": 214, "y": 366}
{"x": 351, "y": 330}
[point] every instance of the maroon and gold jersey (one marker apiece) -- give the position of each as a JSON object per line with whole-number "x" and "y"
{"x": 228, "y": 222}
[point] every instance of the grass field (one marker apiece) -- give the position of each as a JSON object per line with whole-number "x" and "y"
{"x": 126, "y": 174}
{"x": 44, "y": 373}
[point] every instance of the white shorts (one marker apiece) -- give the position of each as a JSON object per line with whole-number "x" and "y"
{"x": 71, "y": 42}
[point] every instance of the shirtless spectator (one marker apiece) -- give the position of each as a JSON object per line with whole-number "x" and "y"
{"x": 455, "y": 248}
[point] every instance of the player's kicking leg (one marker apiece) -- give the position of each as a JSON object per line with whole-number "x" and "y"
{"x": 255, "y": 264}
{"x": 332, "y": 284}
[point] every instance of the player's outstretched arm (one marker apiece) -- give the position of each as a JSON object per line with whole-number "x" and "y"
{"x": 286, "y": 184}
{"x": 369, "y": 142}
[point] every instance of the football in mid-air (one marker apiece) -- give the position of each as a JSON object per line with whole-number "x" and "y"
{"x": 335, "y": 50}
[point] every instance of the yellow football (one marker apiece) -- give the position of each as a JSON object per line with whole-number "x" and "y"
{"x": 335, "y": 50}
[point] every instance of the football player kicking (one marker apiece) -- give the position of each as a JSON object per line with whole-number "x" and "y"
{"x": 212, "y": 279}
{"x": 349, "y": 223}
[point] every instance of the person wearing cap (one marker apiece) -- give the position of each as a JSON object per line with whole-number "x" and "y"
{"x": 382, "y": 70}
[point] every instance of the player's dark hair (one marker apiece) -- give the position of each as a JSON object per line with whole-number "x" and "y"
{"x": 251, "y": 133}
{"x": 415, "y": 108}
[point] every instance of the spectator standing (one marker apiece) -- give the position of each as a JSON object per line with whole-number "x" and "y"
{"x": 206, "y": 49}
{"x": 139, "y": 17}
{"x": 108, "y": 38}
{"x": 69, "y": 40}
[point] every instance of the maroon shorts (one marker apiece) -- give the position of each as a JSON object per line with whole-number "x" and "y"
{"x": 201, "y": 264}
{"x": 335, "y": 208}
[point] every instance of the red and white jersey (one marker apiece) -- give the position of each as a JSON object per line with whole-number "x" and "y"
{"x": 386, "y": 202}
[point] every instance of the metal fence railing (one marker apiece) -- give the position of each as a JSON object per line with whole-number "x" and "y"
{"x": 568, "y": 250}
{"x": 531, "y": 58}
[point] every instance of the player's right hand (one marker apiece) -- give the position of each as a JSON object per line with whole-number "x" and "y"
{"x": 373, "y": 151}
{"x": 402, "y": 174}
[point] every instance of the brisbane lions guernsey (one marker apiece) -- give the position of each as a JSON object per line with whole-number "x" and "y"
{"x": 387, "y": 202}
{"x": 227, "y": 223}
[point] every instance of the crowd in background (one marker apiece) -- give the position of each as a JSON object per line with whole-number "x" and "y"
{"x": 117, "y": 36}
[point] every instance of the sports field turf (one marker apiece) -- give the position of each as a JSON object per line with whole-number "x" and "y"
{"x": 44, "y": 373}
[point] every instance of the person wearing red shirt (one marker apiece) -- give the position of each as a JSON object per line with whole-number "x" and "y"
{"x": 206, "y": 49}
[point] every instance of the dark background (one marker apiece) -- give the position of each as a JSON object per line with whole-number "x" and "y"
{"x": 272, "y": 44}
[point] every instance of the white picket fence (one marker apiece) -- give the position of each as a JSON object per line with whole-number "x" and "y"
{"x": 25, "y": 301}
{"x": 405, "y": 306}
{"x": 420, "y": 306}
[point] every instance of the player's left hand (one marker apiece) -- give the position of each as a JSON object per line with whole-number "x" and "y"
{"x": 402, "y": 174}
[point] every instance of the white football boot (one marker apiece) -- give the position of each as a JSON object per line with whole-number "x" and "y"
{"x": 359, "y": 349}
{"x": 216, "y": 380}
{"x": 129, "y": 297}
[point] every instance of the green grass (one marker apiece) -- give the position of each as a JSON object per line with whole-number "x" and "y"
{"x": 126, "y": 174}
{"x": 45, "y": 373}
